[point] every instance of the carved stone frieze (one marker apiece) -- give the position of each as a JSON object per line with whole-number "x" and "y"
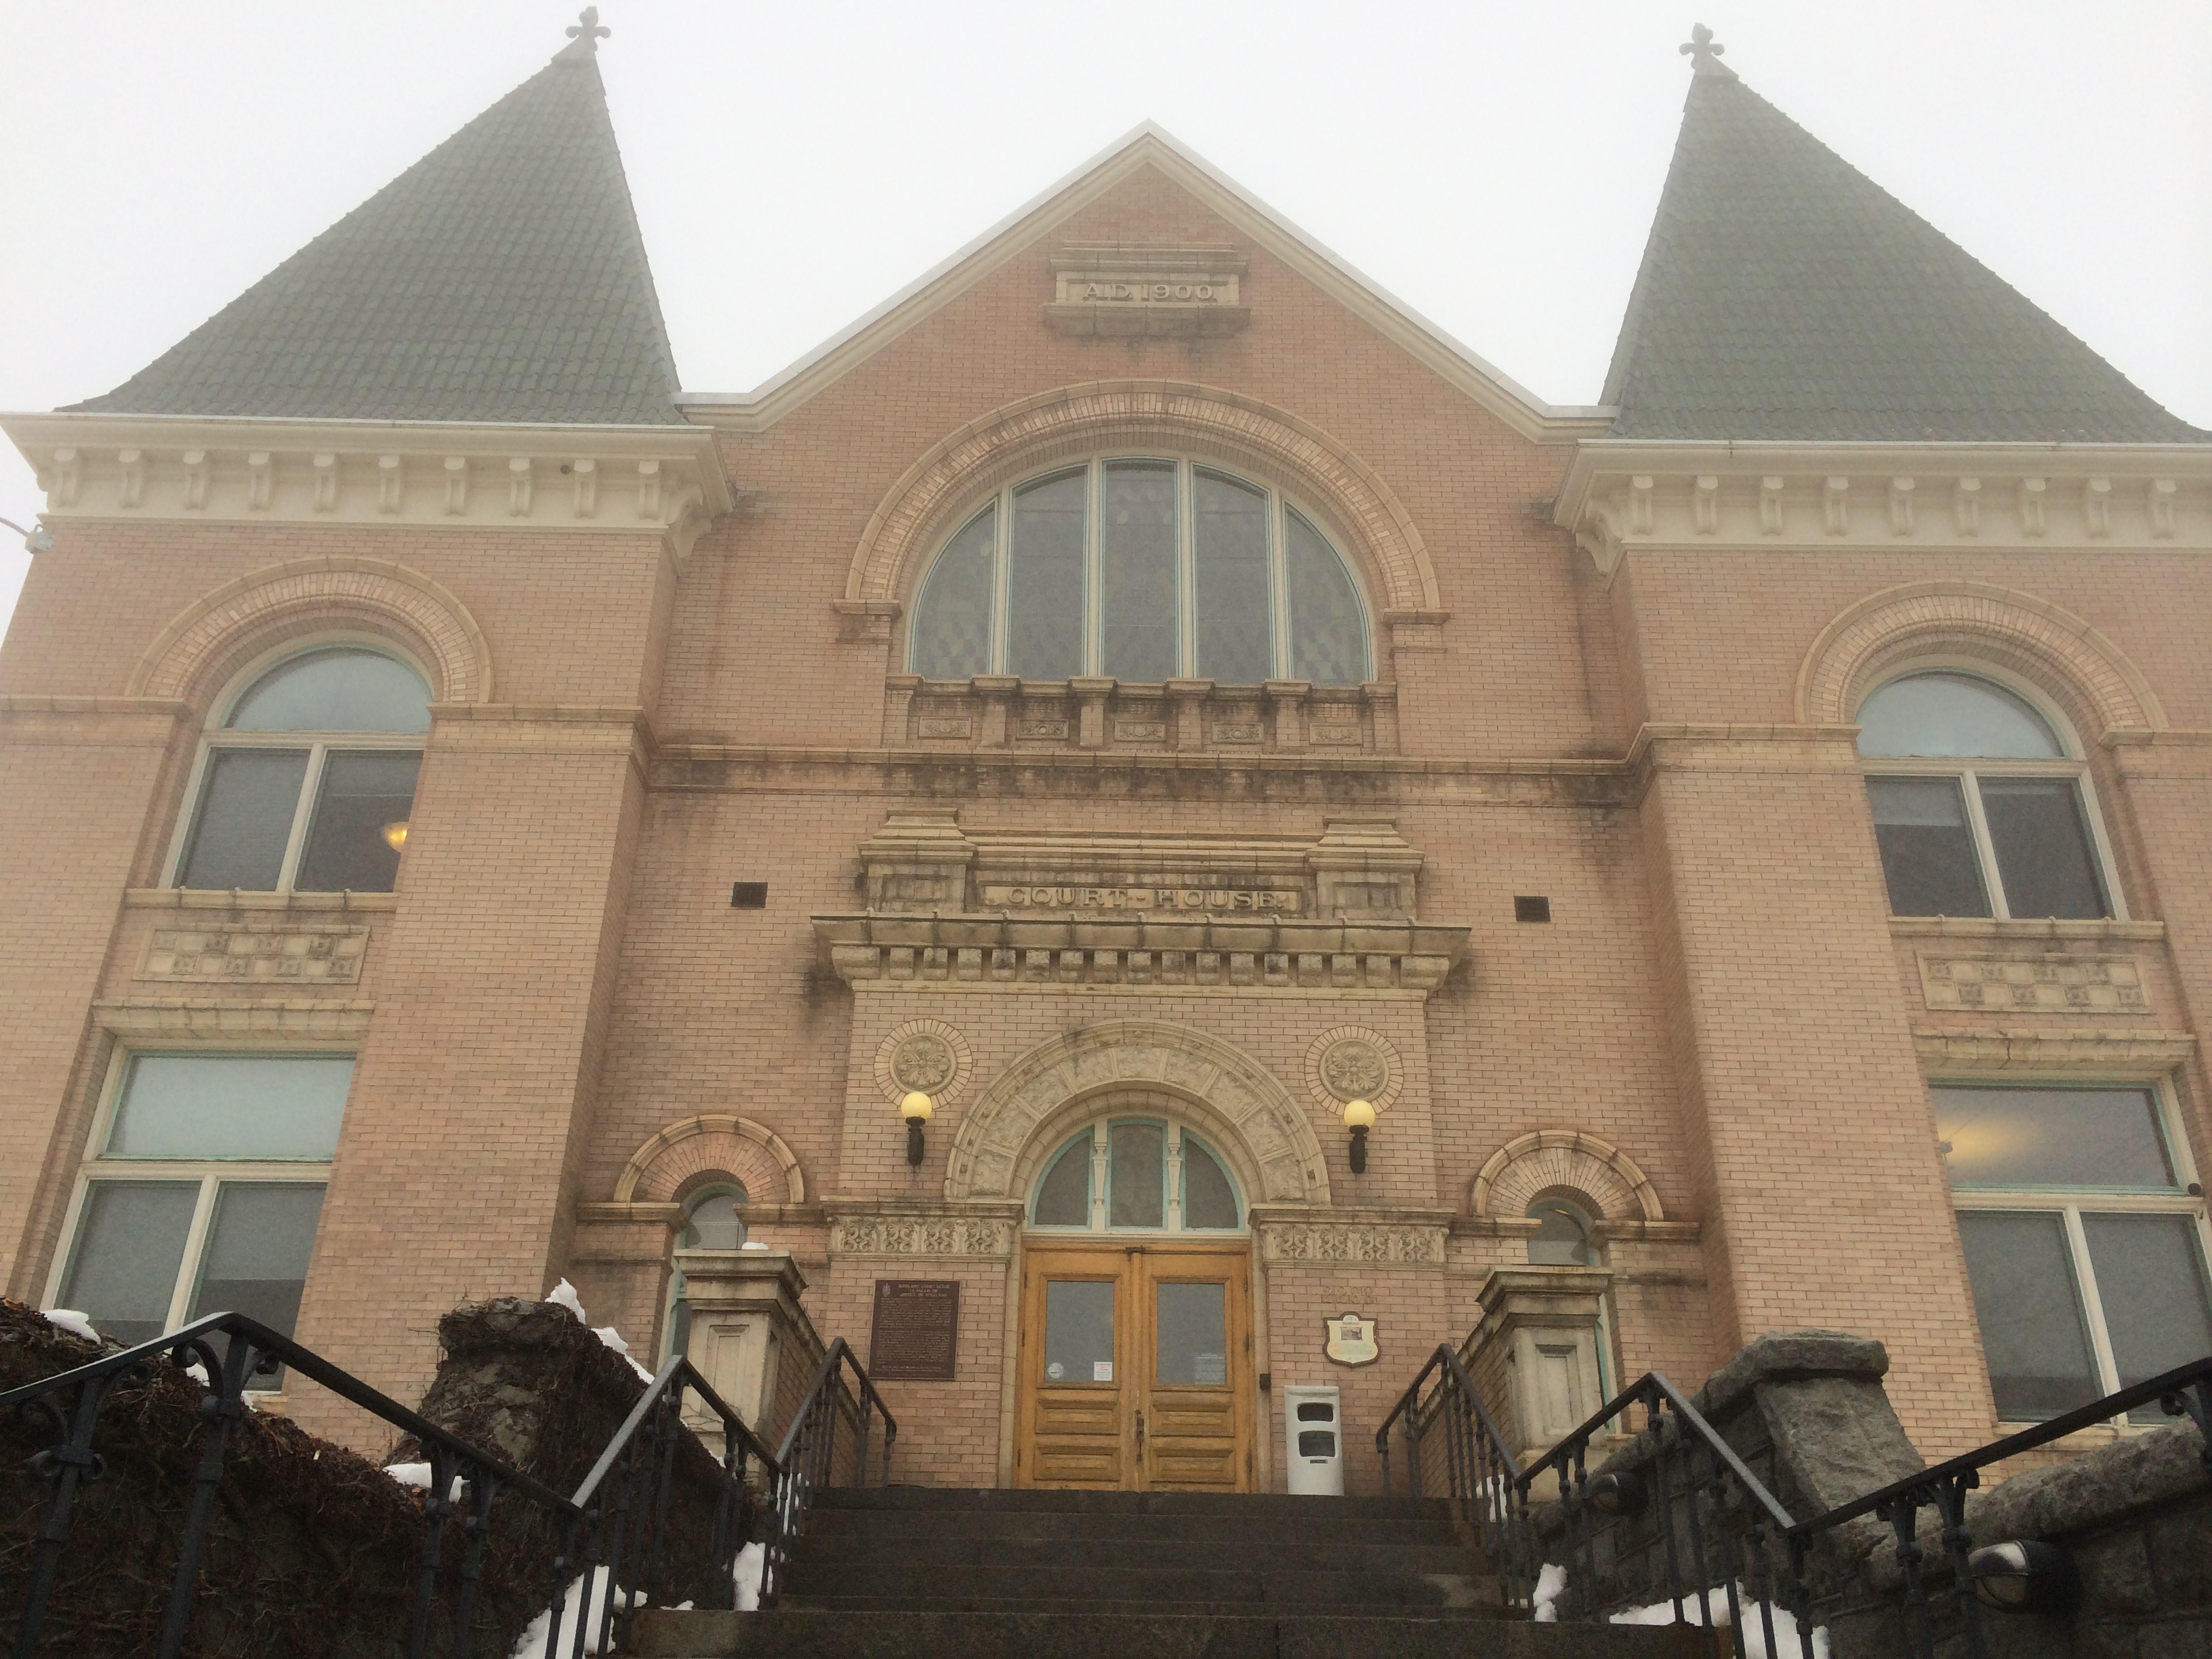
{"x": 1329, "y": 1243}
{"x": 947, "y": 1234}
{"x": 294, "y": 955}
{"x": 2032, "y": 985}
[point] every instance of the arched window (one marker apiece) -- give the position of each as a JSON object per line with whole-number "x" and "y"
{"x": 1136, "y": 1175}
{"x": 1562, "y": 1238}
{"x": 1143, "y": 570}
{"x": 1980, "y": 809}
{"x": 307, "y": 779}
{"x": 713, "y": 1219}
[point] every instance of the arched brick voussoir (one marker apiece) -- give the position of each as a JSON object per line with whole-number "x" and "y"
{"x": 1549, "y": 1160}
{"x": 718, "y": 1143}
{"x": 2028, "y": 634}
{"x": 1074, "y": 419}
{"x": 210, "y": 636}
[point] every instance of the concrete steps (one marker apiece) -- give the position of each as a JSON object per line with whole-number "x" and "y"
{"x": 911, "y": 1572}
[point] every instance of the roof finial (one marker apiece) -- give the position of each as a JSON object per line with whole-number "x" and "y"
{"x": 584, "y": 36}
{"x": 1704, "y": 53}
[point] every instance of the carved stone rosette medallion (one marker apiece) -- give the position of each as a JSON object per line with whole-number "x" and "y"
{"x": 1350, "y": 1062}
{"x": 926, "y": 1054}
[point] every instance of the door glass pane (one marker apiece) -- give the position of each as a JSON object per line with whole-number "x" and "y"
{"x": 1139, "y": 612}
{"x": 360, "y": 823}
{"x": 1927, "y": 849}
{"x": 247, "y": 804}
{"x": 1208, "y": 1199}
{"x": 1193, "y": 1336}
{"x": 953, "y": 623}
{"x": 1952, "y": 715}
{"x": 347, "y": 690}
{"x": 1044, "y": 586}
{"x": 2013, "y": 1138}
{"x": 1079, "y": 1330}
{"x": 2150, "y": 1279}
{"x": 259, "y": 1106}
{"x": 1063, "y": 1197}
{"x": 1137, "y": 1179}
{"x": 129, "y": 1245}
{"x": 1329, "y": 636}
{"x": 1235, "y": 626}
{"x": 2033, "y": 1333}
{"x": 2044, "y": 862}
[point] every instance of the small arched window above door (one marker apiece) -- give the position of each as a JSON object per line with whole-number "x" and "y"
{"x": 1562, "y": 1238}
{"x": 1142, "y": 569}
{"x": 1136, "y": 1175}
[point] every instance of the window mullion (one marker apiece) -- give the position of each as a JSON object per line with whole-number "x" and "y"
{"x": 1171, "y": 1174}
{"x": 1279, "y": 588}
{"x": 1985, "y": 852}
{"x": 1187, "y": 569}
{"x": 1094, "y": 572}
{"x": 310, "y": 786}
{"x": 196, "y": 1239}
{"x": 1098, "y": 1174}
{"x": 2108, "y": 869}
{"x": 1002, "y": 549}
{"x": 2085, "y": 1276}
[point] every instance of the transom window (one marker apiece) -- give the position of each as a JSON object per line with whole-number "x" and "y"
{"x": 1562, "y": 1238}
{"x": 203, "y": 1191}
{"x": 307, "y": 782}
{"x": 2085, "y": 1246}
{"x": 1979, "y": 809}
{"x": 1136, "y": 1175}
{"x": 713, "y": 1219}
{"x": 1143, "y": 570}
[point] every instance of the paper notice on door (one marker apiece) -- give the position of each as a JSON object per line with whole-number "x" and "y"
{"x": 1209, "y": 1368}
{"x": 1102, "y": 1371}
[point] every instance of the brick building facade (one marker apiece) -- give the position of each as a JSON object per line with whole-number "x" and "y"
{"x": 1303, "y": 713}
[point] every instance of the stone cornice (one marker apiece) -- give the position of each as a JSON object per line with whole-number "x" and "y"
{"x": 666, "y": 481}
{"x": 1621, "y": 493}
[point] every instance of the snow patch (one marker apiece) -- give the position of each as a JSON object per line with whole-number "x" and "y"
{"x": 751, "y": 1562}
{"x": 1550, "y": 1585}
{"x": 613, "y": 1338}
{"x": 564, "y": 1293}
{"x": 417, "y": 1475}
{"x": 198, "y": 1372}
{"x": 1717, "y": 1618}
{"x": 532, "y": 1642}
{"x": 70, "y": 1320}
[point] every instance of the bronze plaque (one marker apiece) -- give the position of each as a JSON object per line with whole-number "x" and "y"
{"x": 916, "y": 1335}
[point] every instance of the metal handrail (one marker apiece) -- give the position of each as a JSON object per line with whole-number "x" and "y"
{"x": 808, "y": 1457}
{"x": 591, "y": 1539}
{"x": 1482, "y": 1472}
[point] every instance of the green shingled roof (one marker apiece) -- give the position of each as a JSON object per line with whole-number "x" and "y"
{"x": 500, "y": 278}
{"x": 1785, "y": 295}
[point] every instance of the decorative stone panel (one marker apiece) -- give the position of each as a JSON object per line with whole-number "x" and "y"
{"x": 1351, "y": 1062}
{"x": 926, "y": 1054}
{"x": 1275, "y": 1132}
{"x": 1110, "y": 292}
{"x": 2032, "y": 985}
{"x": 305, "y": 956}
{"x": 1351, "y": 1242}
{"x": 1531, "y": 1164}
{"x": 948, "y": 1235}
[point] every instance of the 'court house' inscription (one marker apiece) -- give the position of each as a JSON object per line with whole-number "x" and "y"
{"x": 1039, "y": 897}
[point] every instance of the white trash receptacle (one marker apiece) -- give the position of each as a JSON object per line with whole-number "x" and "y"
{"x": 1313, "y": 1439}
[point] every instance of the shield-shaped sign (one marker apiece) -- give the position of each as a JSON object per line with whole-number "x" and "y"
{"x": 1352, "y": 1340}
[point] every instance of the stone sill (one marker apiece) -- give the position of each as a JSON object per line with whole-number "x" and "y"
{"x": 2022, "y": 928}
{"x": 215, "y": 898}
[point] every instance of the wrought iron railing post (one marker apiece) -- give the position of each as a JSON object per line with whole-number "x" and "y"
{"x": 66, "y": 1465}
{"x": 484, "y": 1490}
{"x": 222, "y": 1406}
{"x": 437, "y": 1503}
{"x": 1951, "y": 1504}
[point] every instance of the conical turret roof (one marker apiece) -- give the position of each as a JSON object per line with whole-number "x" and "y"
{"x": 500, "y": 278}
{"x": 1783, "y": 295}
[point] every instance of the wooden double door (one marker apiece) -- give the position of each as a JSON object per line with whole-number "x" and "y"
{"x": 1136, "y": 1368}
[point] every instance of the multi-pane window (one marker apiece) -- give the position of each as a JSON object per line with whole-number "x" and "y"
{"x": 2085, "y": 1241}
{"x": 203, "y": 1190}
{"x": 1143, "y": 570}
{"x": 308, "y": 782}
{"x": 1139, "y": 1174}
{"x": 1978, "y": 809}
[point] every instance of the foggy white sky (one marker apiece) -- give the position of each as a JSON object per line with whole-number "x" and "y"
{"x": 1494, "y": 165}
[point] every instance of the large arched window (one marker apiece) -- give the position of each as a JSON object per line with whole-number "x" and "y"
{"x": 1980, "y": 808}
{"x": 307, "y": 779}
{"x": 1143, "y": 570}
{"x": 1136, "y": 1175}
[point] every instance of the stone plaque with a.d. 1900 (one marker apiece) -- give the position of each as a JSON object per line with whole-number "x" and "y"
{"x": 915, "y": 1337}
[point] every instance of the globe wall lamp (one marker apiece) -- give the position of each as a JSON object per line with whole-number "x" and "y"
{"x": 1360, "y": 1118}
{"x": 916, "y": 1109}
{"x": 2022, "y": 1577}
{"x": 34, "y": 541}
